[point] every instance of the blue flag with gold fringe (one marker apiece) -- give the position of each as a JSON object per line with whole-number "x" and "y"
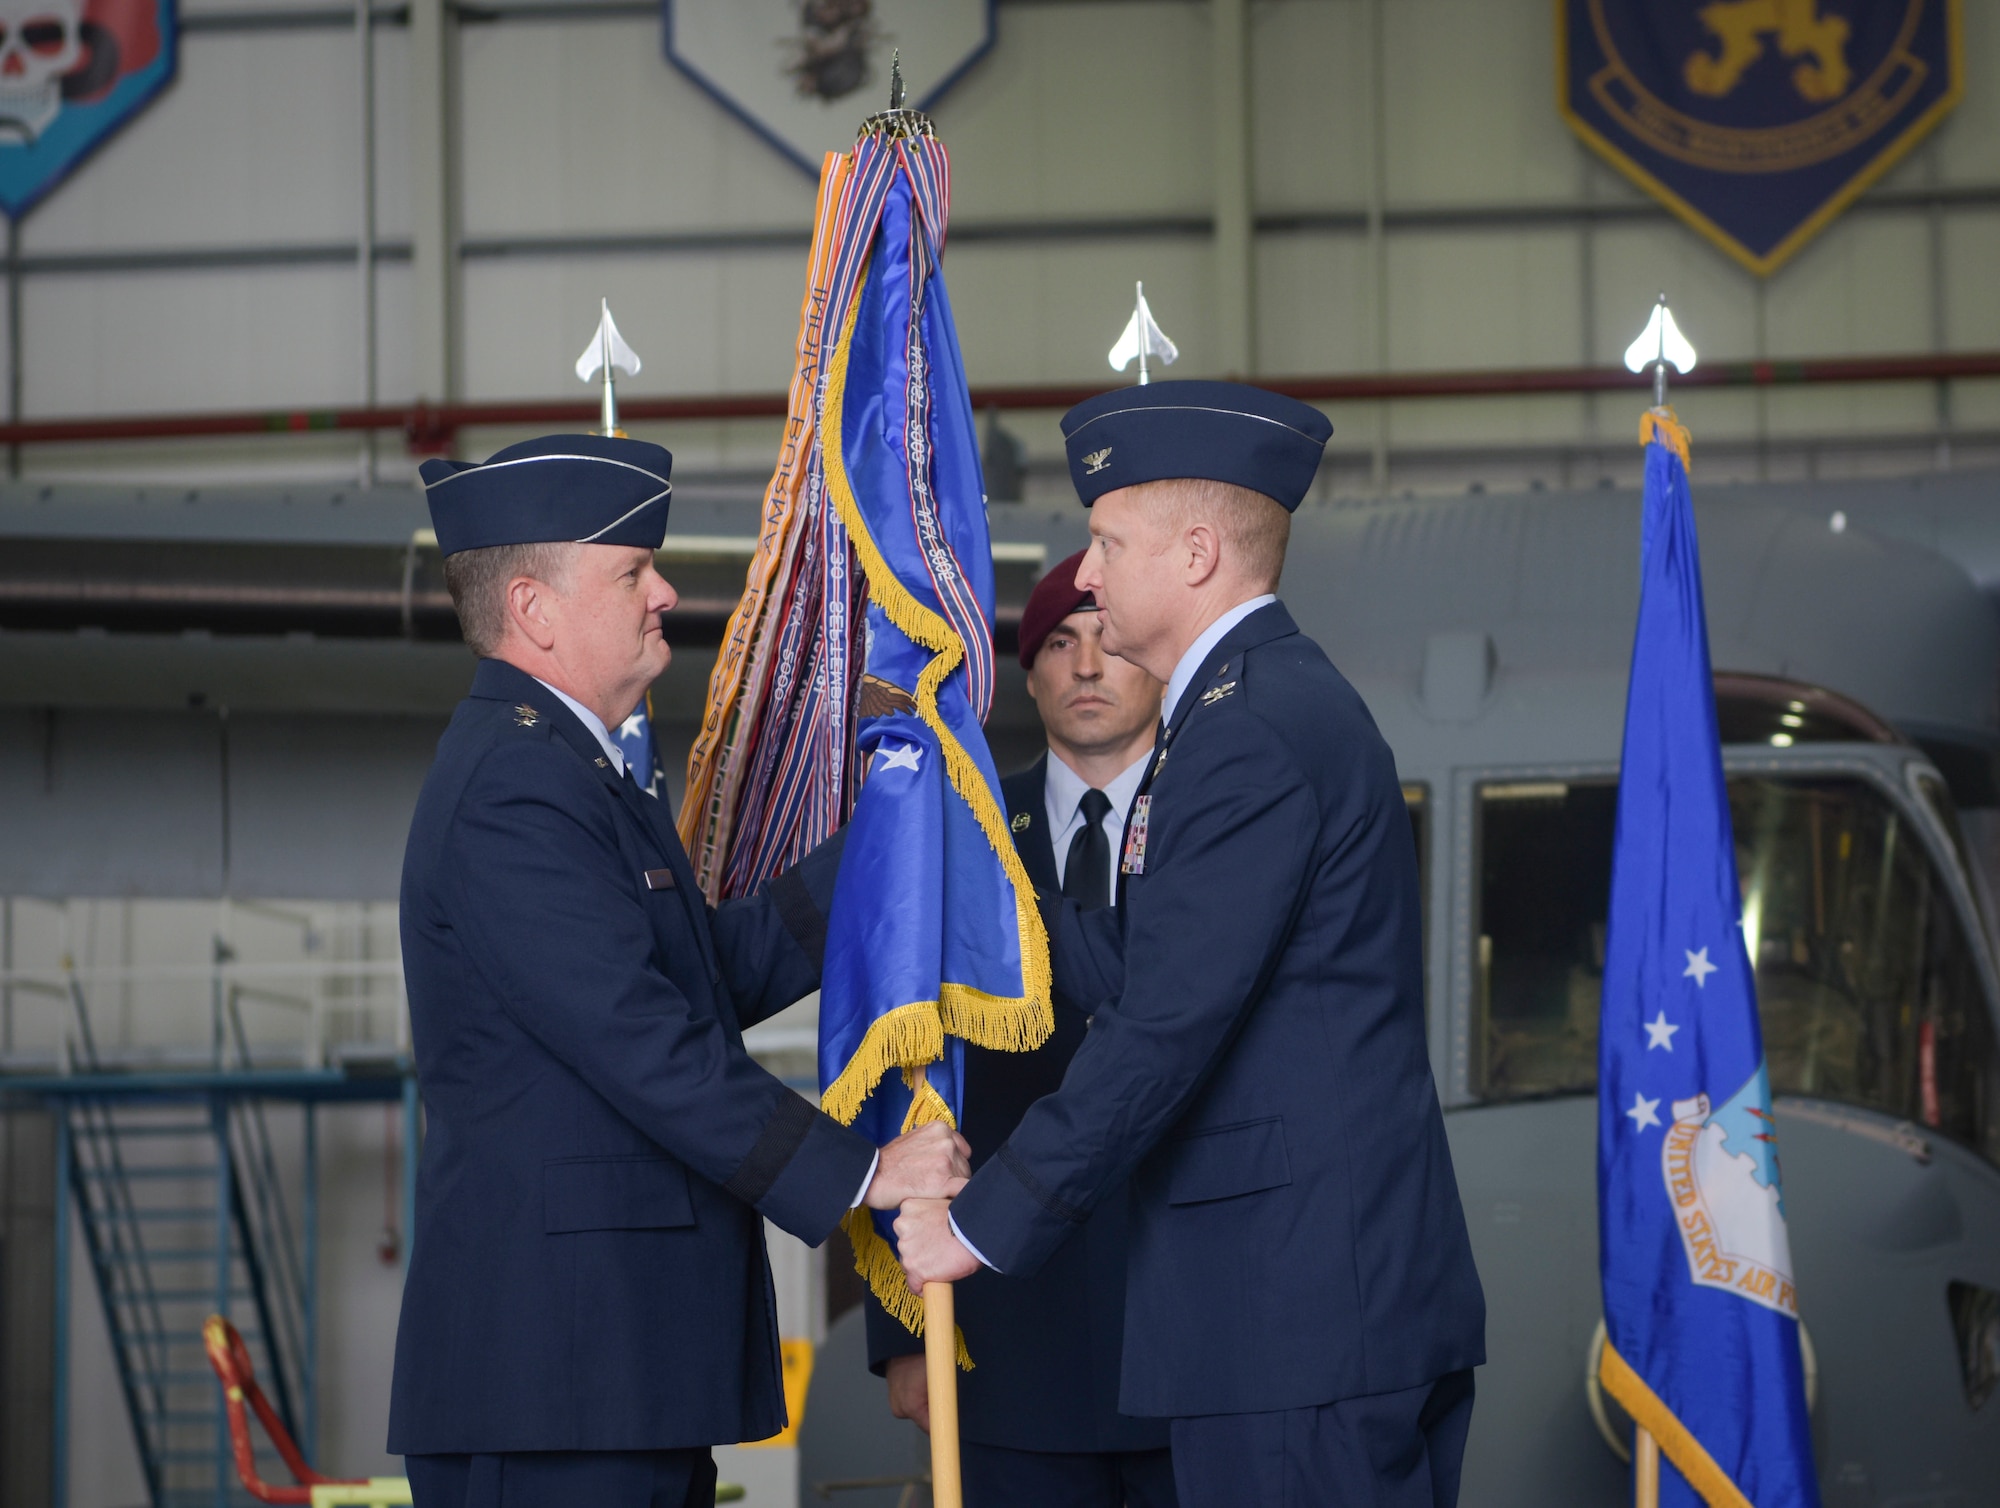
{"x": 933, "y": 938}
{"x": 1700, "y": 1313}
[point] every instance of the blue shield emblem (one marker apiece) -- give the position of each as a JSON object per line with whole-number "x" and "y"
{"x": 71, "y": 73}
{"x": 1756, "y": 121}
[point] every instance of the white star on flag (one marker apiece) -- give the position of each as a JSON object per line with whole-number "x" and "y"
{"x": 1642, "y": 1112}
{"x": 904, "y": 758}
{"x": 631, "y": 727}
{"x": 1659, "y": 1033}
{"x": 1698, "y": 969}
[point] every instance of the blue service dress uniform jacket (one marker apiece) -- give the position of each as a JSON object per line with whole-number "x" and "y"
{"x": 1259, "y": 1070}
{"x": 1045, "y": 1348}
{"x": 588, "y": 1270}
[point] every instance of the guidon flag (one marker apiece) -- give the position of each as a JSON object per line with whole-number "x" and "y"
{"x": 863, "y": 646}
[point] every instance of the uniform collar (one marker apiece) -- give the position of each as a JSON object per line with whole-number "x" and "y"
{"x": 1063, "y": 790}
{"x": 591, "y": 721}
{"x": 1197, "y": 652}
{"x": 498, "y": 681}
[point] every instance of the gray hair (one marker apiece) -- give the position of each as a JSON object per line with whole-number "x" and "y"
{"x": 477, "y": 581}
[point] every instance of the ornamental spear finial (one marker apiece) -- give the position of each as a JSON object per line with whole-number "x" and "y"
{"x": 607, "y": 352}
{"x": 1142, "y": 338}
{"x": 1659, "y": 345}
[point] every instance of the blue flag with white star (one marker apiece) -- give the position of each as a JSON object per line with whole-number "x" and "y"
{"x": 1699, "y": 1307}
{"x": 634, "y": 738}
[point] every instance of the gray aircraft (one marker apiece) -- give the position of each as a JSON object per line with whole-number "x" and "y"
{"x": 1857, "y": 673}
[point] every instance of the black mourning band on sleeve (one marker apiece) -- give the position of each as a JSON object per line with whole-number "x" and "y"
{"x": 783, "y": 1134}
{"x": 800, "y": 913}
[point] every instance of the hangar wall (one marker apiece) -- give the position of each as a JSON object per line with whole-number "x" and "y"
{"x": 532, "y": 155}
{"x": 206, "y": 258}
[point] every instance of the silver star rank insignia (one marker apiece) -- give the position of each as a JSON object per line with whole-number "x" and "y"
{"x": 526, "y": 716}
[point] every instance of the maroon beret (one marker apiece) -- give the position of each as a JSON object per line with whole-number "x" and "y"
{"x": 1054, "y": 598}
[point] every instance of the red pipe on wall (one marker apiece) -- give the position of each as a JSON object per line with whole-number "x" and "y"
{"x": 431, "y": 427}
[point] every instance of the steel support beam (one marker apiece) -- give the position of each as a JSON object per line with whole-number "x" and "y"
{"x": 1235, "y": 274}
{"x": 433, "y": 197}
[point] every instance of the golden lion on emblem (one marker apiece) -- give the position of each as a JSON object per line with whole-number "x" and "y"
{"x": 1741, "y": 26}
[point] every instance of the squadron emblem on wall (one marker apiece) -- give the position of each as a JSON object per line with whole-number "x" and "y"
{"x": 72, "y": 72}
{"x": 1756, "y": 121}
{"x": 791, "y": 69}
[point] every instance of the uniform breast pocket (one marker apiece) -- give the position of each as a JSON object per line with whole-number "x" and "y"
{"x": 1228, "y": 1162}
{"x": 614, "y": 1193}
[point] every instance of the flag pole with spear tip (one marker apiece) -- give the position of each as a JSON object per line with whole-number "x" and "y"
{"x": 1658, "y": 346}
{"x": 940, "y": 1309}
{"x": 865, "y": 629}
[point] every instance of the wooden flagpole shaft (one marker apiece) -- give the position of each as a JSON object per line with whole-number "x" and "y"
{"x": 941, "y": 1378}
{"x": 1645, "y": 1466}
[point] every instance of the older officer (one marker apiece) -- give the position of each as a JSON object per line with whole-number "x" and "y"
{"x": 589, "y": 1307}
{"x": 1302, "y": 1299}
{"x": 1038, "y": 1414}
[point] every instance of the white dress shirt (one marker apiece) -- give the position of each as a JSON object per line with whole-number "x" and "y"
{"x": 1191, "y": 662}
{"x": 612, "y": 752}
{"x": 1062, "y": 797}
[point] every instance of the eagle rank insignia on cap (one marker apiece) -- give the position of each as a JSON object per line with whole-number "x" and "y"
{"x": 1097, "y": 460}
{"x": 525, "y": 715}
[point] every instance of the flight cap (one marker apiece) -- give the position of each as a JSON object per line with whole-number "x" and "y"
{"x": 1221, "y": 431}
{"x": 1054, "y": 598}
{"x": 581, "y": 489}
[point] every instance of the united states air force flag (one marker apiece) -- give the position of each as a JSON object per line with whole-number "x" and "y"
{"x": 1699, "y": 1307}
{"x": 933, "y": 939}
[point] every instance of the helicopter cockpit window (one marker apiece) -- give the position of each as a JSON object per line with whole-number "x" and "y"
{"x": 1866, "y": 983}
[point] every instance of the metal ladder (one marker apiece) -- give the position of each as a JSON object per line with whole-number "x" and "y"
{"x": 183, "y": 1215}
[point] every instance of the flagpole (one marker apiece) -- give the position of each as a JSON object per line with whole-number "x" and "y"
{"x": 1645, "y": 1467}
{"x": 941, "y": 1381}
{"x": 941, "y": 1376}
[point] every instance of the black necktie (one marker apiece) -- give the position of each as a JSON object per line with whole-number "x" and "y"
{"x": 1087, "y": 872}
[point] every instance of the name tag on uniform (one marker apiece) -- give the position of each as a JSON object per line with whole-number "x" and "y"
{"x": 659, "y": 879}
{"x": 1134, "y": 861}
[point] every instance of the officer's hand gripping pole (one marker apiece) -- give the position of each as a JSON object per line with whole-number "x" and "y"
{"x": 941, "y": 1382}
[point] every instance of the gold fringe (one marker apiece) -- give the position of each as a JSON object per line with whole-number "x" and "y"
{"x": 926, "y": 1104}
{"x": 1667, "y": 425}
{"x": 907, "y": 1035}
{"x": 876, "y": 1261}
{"x": 1645, "y": 1407}
{"x": 1010, "y": 1025}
